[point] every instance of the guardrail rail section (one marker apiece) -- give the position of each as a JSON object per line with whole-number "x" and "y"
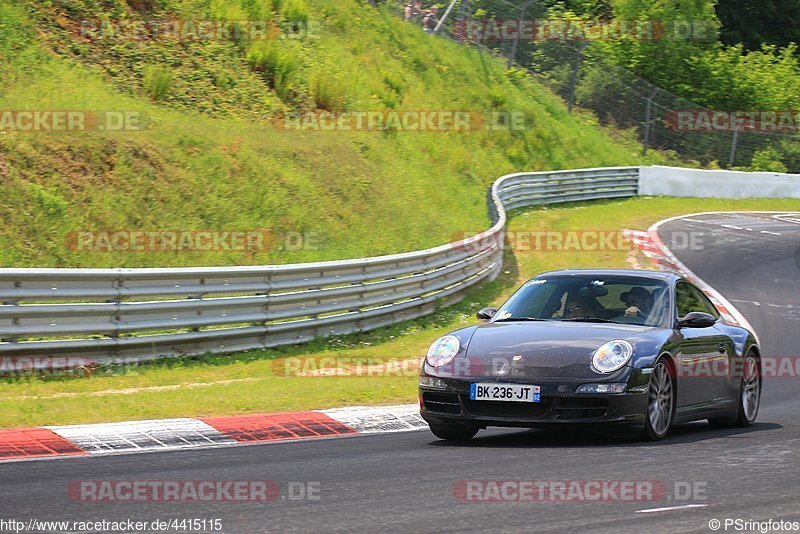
{"x": 104, "y": 315}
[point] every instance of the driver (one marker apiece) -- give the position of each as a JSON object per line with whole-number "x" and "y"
{"x": 639, "y": 302}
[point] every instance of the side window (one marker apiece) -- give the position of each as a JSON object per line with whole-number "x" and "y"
{"x": 690, "y": 299}
{"x": 707, "y": 304}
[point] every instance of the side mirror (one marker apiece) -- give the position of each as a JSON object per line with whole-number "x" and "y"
{"x": 697, "y": 320}
{"x": 486, "y": 314}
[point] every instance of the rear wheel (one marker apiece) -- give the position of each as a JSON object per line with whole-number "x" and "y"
{"x": 749, "y": 396}
{"x": 660, "y": 403}
{"x": 453, "y": 432}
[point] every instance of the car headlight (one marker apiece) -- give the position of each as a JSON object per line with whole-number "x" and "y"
{"x": 612, "y": 356}
{"x": 443, "y": 351}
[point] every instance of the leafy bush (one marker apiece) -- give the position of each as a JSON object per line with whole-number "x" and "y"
{"x": 328, "y": 91}
{"x": 156, "y": 82}
{"x": 767, "y": 160}
{"x": 281, "y": 65}
{"x": 295, "y": 11}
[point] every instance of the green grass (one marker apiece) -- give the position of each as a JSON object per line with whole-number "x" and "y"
{"x": 209, "y": 157}
{"x": 254, "y": 382}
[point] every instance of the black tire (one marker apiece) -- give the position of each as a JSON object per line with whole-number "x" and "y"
{"x": 749, "y": 397}
{"x": 661, "y": 403}
{"x": 454, "y": 433}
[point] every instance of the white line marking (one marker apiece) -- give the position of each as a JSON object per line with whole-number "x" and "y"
{"x": 670, "y": 508}
{"x": 754, "y": 303}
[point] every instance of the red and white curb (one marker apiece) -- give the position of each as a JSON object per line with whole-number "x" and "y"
{"x": 176, "y": 434}
{"x": 652, "y": 246}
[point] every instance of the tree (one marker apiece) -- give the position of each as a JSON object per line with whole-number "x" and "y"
{"x": 756, "y": 22}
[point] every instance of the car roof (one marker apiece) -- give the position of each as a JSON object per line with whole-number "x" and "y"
{"x": 632, "y": 273}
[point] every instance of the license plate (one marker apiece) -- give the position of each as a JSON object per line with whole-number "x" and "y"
{"x": 505, "y": 392}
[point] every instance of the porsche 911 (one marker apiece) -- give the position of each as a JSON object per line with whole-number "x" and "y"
{"x": 641, "y": 349}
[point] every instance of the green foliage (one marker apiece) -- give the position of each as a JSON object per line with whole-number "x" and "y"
{"x": 733, "y": 78}
{"x": 156, "y": 82}
{"x": 281, "y": 65}
{"x": 329, "y": 90}
{"x": 690, "y": 26}
{"x": 241, "y": 9}
{"x": 768, "y": 160}
{"x": 687, "y": 60}
{"x": 754, "y": 23}
{"x": 295, "y": 11}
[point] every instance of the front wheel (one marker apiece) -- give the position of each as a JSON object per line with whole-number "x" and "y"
{"x": 660, "y": 403}
{"x": 454, "y": 433}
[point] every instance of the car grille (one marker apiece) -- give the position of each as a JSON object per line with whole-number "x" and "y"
{"x": 441, "y": 403}
{"x": 515, "y": 410}
{"x": 581, "y": 408}
{"x": 551, "y": 408}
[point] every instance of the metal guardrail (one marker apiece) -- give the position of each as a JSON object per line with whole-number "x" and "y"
{"x": 105, "y": 315}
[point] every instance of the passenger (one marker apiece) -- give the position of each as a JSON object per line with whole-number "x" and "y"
{"x": 431, "y": 19}
{"x": 578, "y": 308}
{"x": 413, "y": 11}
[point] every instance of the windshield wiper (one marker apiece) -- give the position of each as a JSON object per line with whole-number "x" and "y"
{"x": 588, "y": 320}
{"x": 521, "y": 319}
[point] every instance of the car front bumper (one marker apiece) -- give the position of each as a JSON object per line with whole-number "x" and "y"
{"x": 559, "y": 405}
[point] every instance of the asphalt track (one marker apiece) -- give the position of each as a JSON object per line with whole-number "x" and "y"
{"x": 404, "y": 482}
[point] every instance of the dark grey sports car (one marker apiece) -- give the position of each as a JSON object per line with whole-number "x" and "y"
{"x": 638, "y": 348}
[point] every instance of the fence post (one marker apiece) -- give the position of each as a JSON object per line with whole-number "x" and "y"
{"x": 732, "y": 160}
{"x": 573, "y": 84}
{"x": 464, "y": 12}
{"x": 648, "y": 118}
{"x": 444, "y": 17}
{"x": 460, "y": 32}
{"x": 513, "y": 56}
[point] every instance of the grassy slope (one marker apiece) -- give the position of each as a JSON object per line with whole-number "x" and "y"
{"x": 252, "y": 382}
{"x": 209, "y": 159}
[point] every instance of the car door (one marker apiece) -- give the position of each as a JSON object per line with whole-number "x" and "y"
{"x": 704, "y": 353}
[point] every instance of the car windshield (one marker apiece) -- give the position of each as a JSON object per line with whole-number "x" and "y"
{"x": 590, "y": 299}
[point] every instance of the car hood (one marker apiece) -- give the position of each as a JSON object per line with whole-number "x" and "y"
{"x": 556, "y": 350}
